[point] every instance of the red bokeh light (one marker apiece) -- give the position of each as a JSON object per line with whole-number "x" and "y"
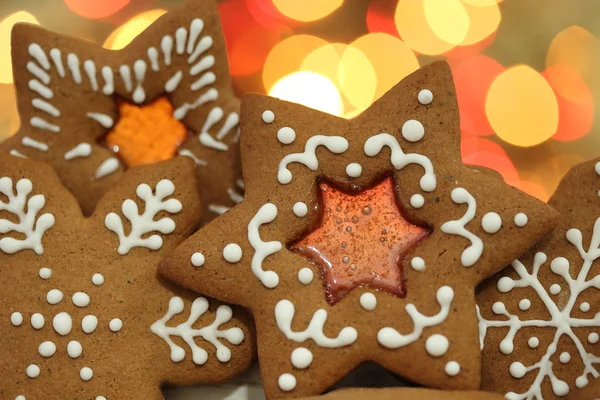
{"x": 95, "y": 9}
{"x": 380, "y": 17}
{"x": 485, "y": 153}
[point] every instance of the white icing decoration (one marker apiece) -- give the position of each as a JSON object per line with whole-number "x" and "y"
{"x": 90, "y": 69}
{"x": 533, "y": 342}
{"x": 81, "y": 299}
{"x": 524, "y": 304}
{"x": 98, "y": 279}
{"x": 287, "y": 382}
{"x": 203, "y": 44}
{"x": 286, "y": 135}
{"x": 399, "y": 159}
{"x": 109, "y": 81}
{"x": 584, "y": 306}
{"x": 564, "y": 357}
{"x": 354, "y": 170}
{"x": 56, "y": 56}
{"x": 425, "y": 97}
{"x": 86, "y": 374}
{"x": 301, "y": 358}
{"x": 47, "y": 349}
{"x": 521, "y": 220}
{"x": 105, "y": 120}
{"x": 452, "y": 368}
{"x": 195, "y": 29}
{"x": 305, "y": 275}
{"x": 593, "y": 338}
{"x": 37, "y": 321}
{"x": 284, "y": 314}
{"x": 33, "y": 371}
{"x": 54, "y": 296}
{"x": 491, "y": 222}
{"x": 39, "y": 73}
{"x": 74, "y": 349}
{"x": 206, "y": 79}
{"x": 62, "y": 323}
{"x": 197, "y": 259}
{"x": 262, "y": 250}
{"x": 143, "y": 224}
{"x": 368, "y": 301}
{"x": 234, "y": 196}
{"x": 115, "y": 325}
{"x": 210, "y": 95}
{"x": 187, "y": 153}
{"x": 46, "y": 107}
{"x": 392, "y": 339}
{"x": 40, "y": 123}
{"x": 36, "y": 52}
{"x": 173, "y": 82}
{"x": 300, "y": 209}
{"x": 214, "y": 117}
{"x": 82, "y": 150}
{"x": 418, "y": 264}
{"x": 89, "y": 323}
{"x": 139, "y": 69}
{"x": 457, "y": 227}
{"x": 220, "y": 210}
{"x": 17, "y": 154}
{"x": 268, "y": 116}
{"x": 413, "y": 130}
{"x": 39, "y": 88}
{"x": 125, "y": 73}
{"x": 555, "y": 288}
{"x": 73, "y": 64}
{"x": 417, "y": 201}
{"x": 166, "y": 45}
{"x": 180, "y": 39}
{"x": 153, "y": 57}
{"x": 45, "y": 273}
{"x": 210, "y": 333}
{"x": 107, "y": 167}
{"x": 232, "y": 252}
{"x": 16, "y": 318}
{"x": 437, "y": 345}
{"x": 335, "y": 144}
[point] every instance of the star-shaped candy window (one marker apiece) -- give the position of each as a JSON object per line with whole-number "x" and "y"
{"x": 83, "y": 314}
{"x": 539, "y": 318}
{"x": 93, "y": 112}
{"x": 360, "y": 241}
{"x": 411, "y": 135}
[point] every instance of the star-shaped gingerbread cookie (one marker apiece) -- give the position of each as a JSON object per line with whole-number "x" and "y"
{"x": 83, "y": 313}
{"x": 92, "y": 112}
{"x": 540, "y": 317}
{"x": 361, "y": 239}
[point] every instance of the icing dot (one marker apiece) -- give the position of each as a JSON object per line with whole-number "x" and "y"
{"x": 452, "y": 368}
{"x": 305, "y": 275}
{"x": 45, "y": 273}
{"x": 54, "y": 296}
{"x": 564, "y": 357}
{"x": 115, "y": 324}
{"x": 98, "y": 279}
{"x": 593, "y": 338}
{"x": 521, "y": 220}
{"x": 413, "y": 130}
{"x": 300, "y": 209}
{"x": 517, "y": 370}
{"x": 81, "y": 299}
{"x": 286, "y": 135}
{"x": 287, "y": 382}
{"x": 555, "y": 288}
{"x": 533, "y": 342}
{"x": 585, "y": 306}
{"x": 100, "y": 398}
{"x": 354, "y": 170}
{"x": 417, "y": 263}
{"x": 524, "y": 304}
{"x": 232, "y": 252}
{"x": 437, "y": 345}
{"x": 498, "y": 308}
{"x": 37, "y": 321}
{"x": 89, "y": 323}
{"x": 597, "y": 167}
{"x": 47, "y": 349}
{"x": 33, "y": 371}
{"x": 417, "y": 201}
{"x": 268, "y": 116}
{"x": 62, "y": 323}
{"x": 425, "y": 96}
{"x": 20, "y": 397}
{"x": 505, "y": 284}
{"x": 198, "y": 259}
{"x": 86, "y": 374}
{"x": 74, "y": 349}
{"x": 301, "y": 358}
{"x": 368, "y": 301}
{"x": 16, "y": 319}
{"x": 491, "y": 222}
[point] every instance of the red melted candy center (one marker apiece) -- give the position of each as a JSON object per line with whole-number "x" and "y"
{"x": 360, "y": 241}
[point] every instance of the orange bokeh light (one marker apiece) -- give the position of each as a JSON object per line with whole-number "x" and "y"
{"x": 380, "y": 17}
{"x": 485, "y": 153}
{"x": 308, "y": 10}
{"x": 96, "y": 9}
{"x": 577, "y": 49}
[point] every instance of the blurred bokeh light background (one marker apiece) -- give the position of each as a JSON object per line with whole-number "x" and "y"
{"x": 527, "y": 72}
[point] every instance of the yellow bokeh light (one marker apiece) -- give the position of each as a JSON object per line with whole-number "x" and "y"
{"x": 521, "y": 107}
{"x": 480, "y": 3}
{"x": 311, "y": 90}
{"x": 124, "y": 34}
{"x": 325, "y": 61}
{"x": 357, "y": 77}
{"x": 308, "y": 10}
{"x": 484, "y": 17}
{"x": 287, "y": 56}
{"x": 577, "y": 49}
{"x": 415, "y": 30}
{"x": 391, "y": 58}
{"x": 6, "y": 26}
{"x": 448, "y": 19}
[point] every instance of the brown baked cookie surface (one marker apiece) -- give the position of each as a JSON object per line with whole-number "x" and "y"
{"x": 539, "y": 318}
{"x": 590, "y": 392}
{"x": 83, "y": 314}
{"x": 92, "y": 112}
{"x": 361, "y": 240}
{"x": 405, "y": 394}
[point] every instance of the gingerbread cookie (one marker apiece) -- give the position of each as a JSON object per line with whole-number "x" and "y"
{"x": 92, "y": 112}
{"x": 590, "y": 392}
{"x": 361, "y": 240}
{"x": 539, "y": 318}
{"x": 83, "y": 314}
{"x": 405, "y": 394}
